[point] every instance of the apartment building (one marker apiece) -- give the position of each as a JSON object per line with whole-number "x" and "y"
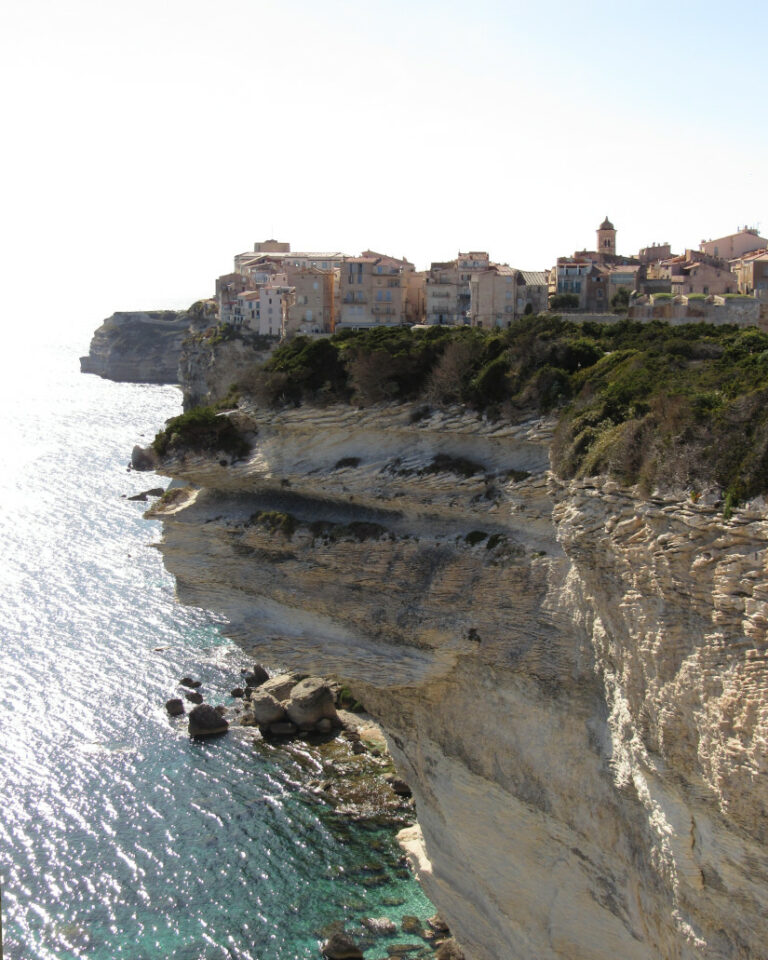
{"x": 734, "y": 245}
{"x": 275, "y": 299}
{"x": 447, "y": 288}
{"x": 374, "y": 291}
{"x": 751, "y": 273}
{"x": 500, "y": 294}
{"x": 313, "y": 305}
{"x": 691, "y": 272}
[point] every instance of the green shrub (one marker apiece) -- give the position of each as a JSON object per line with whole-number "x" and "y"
{"x": 276, "y": 522}
{"x": 201, "y": 430}
{"x": 475, "y": 537}
{"x": 444, "y": 463}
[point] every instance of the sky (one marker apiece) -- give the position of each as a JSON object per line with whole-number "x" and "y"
{"x": 148, "y": 142}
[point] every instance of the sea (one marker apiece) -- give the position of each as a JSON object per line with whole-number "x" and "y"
{"x": 120, "y": 837}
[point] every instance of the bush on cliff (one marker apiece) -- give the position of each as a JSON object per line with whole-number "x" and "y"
{"x": 202, "y": 430}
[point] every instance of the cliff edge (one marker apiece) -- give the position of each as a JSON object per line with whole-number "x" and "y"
{"x": 572, "y": 677}
{"x": 144, "y": 346}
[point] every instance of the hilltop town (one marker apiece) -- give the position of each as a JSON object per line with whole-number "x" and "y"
{"x": 277, "y": 292}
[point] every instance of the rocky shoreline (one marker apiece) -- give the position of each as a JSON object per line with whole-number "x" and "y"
{"x": 357, "y": 782}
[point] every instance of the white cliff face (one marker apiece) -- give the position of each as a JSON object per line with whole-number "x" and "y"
{"x": 572, "y": 679}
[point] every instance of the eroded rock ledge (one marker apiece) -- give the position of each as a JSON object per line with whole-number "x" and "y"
{"x": 572, "y": 679}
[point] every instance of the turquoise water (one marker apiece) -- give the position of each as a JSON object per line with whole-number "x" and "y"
{"x": 119, "y": 837}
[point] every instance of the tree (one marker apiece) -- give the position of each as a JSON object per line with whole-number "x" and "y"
{"x": 620, "y": 300}
{"x": 564, "y": 301}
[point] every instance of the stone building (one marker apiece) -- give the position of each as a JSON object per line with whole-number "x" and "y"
{"x": 447, "y": 288}
{"x": 313, "y": 306}
{"x": 594, "y": 275}
{"x": 501, "y": 294}
{"x": 734, "y": 245}
{"x": 692, "y": 272}
{"x": 751, "y": 272}
{"x": 374, "y": 291}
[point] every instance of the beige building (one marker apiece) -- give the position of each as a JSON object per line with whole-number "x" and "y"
{"x": 275, "y": 299}
{"x": 501, "y": 294}
{"x": 751, "y": 272}
{"x": 734, "y": 245}
{"x": 228, "y": 290}
{"x": 588, "y": 273}
{"x": 313, "y": 305}
{"x": 447, "y": 288}
{"x": 691, "y": 272}
{"x": 374, "y": 291}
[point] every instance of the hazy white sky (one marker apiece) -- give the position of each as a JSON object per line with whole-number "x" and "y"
{"x": 147, "y": 142}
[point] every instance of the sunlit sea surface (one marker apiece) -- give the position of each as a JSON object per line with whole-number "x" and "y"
{"x": 120, "y": 837}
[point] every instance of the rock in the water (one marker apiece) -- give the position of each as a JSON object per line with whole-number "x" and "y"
{"x": 238, "y": 692}
{"x": 257, "y": 676}
{"x": 143, "y": 459}
{"x": 449, "y": 951}
{"x": 153, "y": 492}
{"x": 437, "y": 923}
{"x": 341, "y": 946}
{"x": 265, "y": 708}
{"x": 281, "y": 685}
{"x": 311, "y": 700}
{"x": 189, "y": 682}
{"x": 194, "y": 697}
{"x": 381, "y": 926}
{"x": 206, "y": 721}
{"x": 324, "y": 726}
{"x": 175, "y": 707}
{"x": 411, "y": 924}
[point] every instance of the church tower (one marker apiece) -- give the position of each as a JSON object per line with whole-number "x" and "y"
{"x": 606, "y": 237}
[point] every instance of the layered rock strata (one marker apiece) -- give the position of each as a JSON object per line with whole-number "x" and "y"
{"x": 572, "y": 678}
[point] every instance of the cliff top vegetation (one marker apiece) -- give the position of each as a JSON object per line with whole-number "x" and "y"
{"x": 642, "y": 402}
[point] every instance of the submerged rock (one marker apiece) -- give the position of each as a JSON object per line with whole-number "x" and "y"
{"x": 381, "y": 926}
{"x": 340, "y": 946}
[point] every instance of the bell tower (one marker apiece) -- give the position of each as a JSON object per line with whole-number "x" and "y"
{"x": 606, "y": 237}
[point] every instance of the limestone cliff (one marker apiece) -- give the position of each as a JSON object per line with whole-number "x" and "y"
{"x": 572, "y": 678}
{"x": 145, "y": 346}
{"x": 210, "y": 366}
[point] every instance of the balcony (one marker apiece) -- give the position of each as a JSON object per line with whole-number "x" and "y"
{"x": 354, "y": 298}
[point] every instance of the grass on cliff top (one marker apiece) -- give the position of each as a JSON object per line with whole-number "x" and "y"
{"x": 643, "y": 402}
